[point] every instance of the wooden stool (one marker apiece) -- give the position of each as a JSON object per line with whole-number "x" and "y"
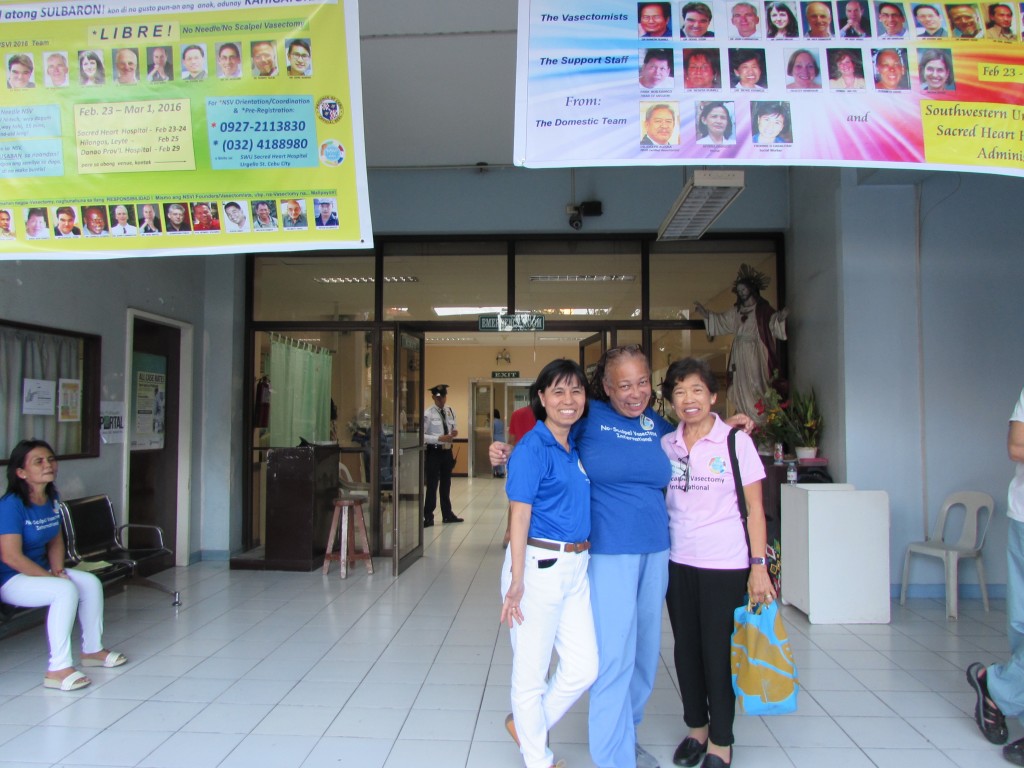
{"x": 353, "y": 511}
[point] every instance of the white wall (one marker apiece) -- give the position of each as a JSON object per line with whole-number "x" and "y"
{"x": 908, "y": 334}
{"x": 511, "y": 200}
{"x": 93, "y": 297}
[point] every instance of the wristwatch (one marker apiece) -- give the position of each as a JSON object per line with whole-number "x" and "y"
{"x": 758, "y": 561}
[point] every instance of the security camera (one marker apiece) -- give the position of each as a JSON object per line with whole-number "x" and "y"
{"x": 576, "y": 219}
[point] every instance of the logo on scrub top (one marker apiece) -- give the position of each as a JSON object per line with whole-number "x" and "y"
{"x": 717, "y": 465}
{"x": 646, "y": 422}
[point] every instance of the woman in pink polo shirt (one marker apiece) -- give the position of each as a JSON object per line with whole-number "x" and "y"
{"x": 710, "y": 565}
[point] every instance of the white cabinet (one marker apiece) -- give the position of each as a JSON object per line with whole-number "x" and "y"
{"x": 835, "y": 553}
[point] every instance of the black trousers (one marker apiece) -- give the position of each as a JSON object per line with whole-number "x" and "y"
{"x": 701, "y": 603}
{"x": 438, "y": 466}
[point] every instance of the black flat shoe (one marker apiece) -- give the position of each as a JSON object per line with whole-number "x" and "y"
{"x": 427, "y": 523}
{"x": 688, "y": 752}
{"x": 987, "y": 715}
{"x": 453, "y": 519}
{"x": 714, "y": 761}
{"x": 1014, "y": 753}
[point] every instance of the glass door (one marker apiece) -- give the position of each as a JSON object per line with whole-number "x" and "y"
{"x": 485, "y": 400}
{"x": 591, "y": 349}
{"x": 403, "y": 386}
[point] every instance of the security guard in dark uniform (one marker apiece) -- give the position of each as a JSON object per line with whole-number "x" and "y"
{"x": 438, "y": 432}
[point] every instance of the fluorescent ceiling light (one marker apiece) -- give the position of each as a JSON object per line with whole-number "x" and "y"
{"x": 704, "y": 198}
{"x": 449, "y": 311}
{"x": 582, "y": 311}
{"x": 364, "y": 280}
{"x": 582, "y": 278}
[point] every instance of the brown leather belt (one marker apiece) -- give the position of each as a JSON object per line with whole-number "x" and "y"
{"x": 556, "y": 546}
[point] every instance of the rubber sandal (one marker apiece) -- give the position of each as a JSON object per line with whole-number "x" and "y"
{"x": 72, "y": 682}
{"x": 1014, "y": 753}
{"x": 112, "y": 659}
{"x": 989, "y": 718}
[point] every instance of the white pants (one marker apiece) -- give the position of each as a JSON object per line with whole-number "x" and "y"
{"x": 80, "y": 593}
{"x": 556, "y": 614}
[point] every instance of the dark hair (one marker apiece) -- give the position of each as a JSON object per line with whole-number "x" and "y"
{"x": 632, "y": 351}
{"x": 94, "y": 57}
{"x": 553, "y": 373}
{"x": 232, "y": 46}
{"x": 792, "y": 28}
{"x": 702, "y": 8}
{"x": 705, "y": 110}
{"x": 758, "y": 110}
{"x": 17, "y": 486}
{"x": 299, "y": 42}
{"x": 661, "y": 54}
{"x": 497, "y": 413}
{"x": 895, "y": 6}
{"x": 193, "y": 47}
{"x": 666, "y": 9}
{"x": 835, "y": 55}
{"x": 232, "y": 204}
{"x": 688, "y": 366}
{"x": 66, "y": 209}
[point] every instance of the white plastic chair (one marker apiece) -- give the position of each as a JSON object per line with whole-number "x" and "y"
{"x": 950, "y": 551}
{"x": 348, "y": 486}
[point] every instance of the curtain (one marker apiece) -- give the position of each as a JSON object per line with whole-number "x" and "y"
{"x": 26, "y": 354}
{"x": 300, "y": 393}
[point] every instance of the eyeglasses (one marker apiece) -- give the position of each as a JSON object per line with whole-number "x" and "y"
{"x": 683, "y": 464}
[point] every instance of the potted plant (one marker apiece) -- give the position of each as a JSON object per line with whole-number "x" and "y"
{"x": 796, "y": 422}
{"x": 807, "y": 423}
{"x": 773, "y": 423}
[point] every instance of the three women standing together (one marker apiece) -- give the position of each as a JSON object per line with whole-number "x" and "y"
{"x": 620, "y": 446}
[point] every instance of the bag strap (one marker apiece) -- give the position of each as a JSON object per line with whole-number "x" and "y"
{"x": 741, "y": 499}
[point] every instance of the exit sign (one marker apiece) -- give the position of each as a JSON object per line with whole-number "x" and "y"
{"x": 504, "y": 374}
{"x": 520, "y": 321}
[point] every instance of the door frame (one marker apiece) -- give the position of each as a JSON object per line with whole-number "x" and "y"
{"x": 182, "y": 549}
{"x": 400, "y": 562}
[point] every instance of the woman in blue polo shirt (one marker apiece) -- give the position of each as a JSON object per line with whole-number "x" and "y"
{"x": 544, "y": 578}
{"x": 32, "y": 570}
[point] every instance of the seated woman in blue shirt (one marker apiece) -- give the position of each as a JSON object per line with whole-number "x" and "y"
{"x": 32, "y": 570}
{"x": 544, "y": 578}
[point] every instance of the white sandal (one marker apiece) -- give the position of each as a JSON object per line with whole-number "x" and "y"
{"x": 72, "y": 682}
{"x": 112, "y": 659}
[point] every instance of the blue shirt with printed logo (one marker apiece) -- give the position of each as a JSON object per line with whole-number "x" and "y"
{"x": 37, "y": 524}
{"x": 628, "y": 474}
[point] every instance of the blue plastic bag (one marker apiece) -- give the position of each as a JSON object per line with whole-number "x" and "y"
{"x": 764, "y": 674}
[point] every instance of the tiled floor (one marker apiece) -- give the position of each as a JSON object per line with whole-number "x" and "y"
{"x": 299, "y": 669}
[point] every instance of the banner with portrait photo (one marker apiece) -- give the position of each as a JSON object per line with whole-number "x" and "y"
{"x": 175, "y": 127}
{"x": 856, "y": 83}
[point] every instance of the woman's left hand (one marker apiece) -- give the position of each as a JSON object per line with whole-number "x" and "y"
{"x": 759, "y": 586}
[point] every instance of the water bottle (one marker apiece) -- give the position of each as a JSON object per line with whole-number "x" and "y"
{"x": 791, "y": 473}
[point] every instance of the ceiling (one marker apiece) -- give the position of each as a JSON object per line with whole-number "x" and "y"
{"x": 438, "y": 82}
